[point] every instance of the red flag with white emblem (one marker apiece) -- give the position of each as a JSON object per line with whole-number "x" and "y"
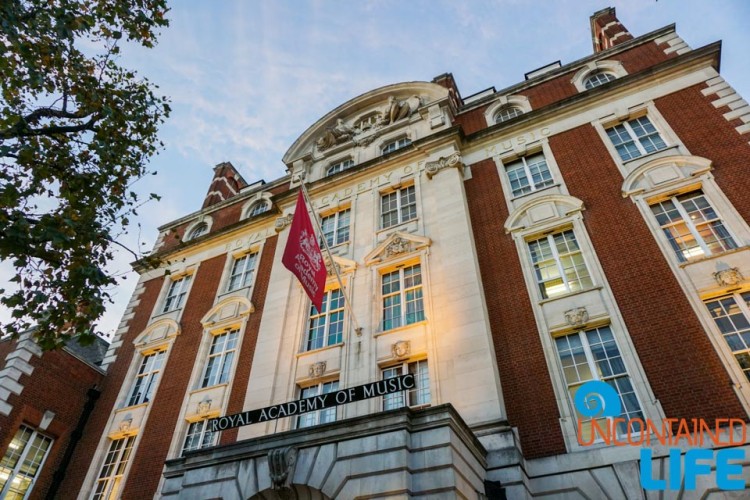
{"x": 302, "y": 254}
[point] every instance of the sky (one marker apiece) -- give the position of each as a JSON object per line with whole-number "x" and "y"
{"x": 246, "y": 78}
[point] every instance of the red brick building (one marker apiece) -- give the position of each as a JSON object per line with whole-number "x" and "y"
{"x": 587, "y": 224}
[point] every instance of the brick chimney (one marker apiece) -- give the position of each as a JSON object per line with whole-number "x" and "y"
{"x": 226, "y": 183}
{"x": 446, "y": 80}
{"x": 606, "y": 30}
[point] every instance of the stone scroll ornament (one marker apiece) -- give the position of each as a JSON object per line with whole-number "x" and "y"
{"x": 281, "y": 463}
{"x": 302, "y": 255}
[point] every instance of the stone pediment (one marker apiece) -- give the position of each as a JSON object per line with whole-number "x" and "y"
{"x": 227, "y": 310}
{"x": 541, "y": 211}
{"x": 343, "y": 265}
{"x": 362, "y": 119}
{"x": 396, "y": 244}
{"x": 662, "y": 172}
{"x": 157, "y": 332}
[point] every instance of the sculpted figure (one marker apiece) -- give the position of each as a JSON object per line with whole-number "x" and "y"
{"x": 341, "y": 132}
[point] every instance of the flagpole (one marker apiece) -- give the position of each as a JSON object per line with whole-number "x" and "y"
{"x": 347, "y": 303}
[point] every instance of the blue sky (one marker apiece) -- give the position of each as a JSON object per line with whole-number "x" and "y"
{"x": 246, "y": 78}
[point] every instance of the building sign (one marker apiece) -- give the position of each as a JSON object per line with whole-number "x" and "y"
{"x": 314, "y": 403}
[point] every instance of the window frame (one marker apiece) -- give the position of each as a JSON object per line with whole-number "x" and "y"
{"x": 528, "y": 176}
{"x": 403, "y": 368}
{"x": 540, "y": 283}
{"x": 202, "y": 433}
{"x": 599, "y": 82}
{"x": 113, "y": 482}
{"x": 154, "y": 375}
{"x": 22, "y": 457}
{"x": 225, "y": 368}
{"x": 197, "y": 231}
{"x": 738, "y": 296}
{"x": 635, "y": 139}
{"x": 252, "y": 259}
{"x": 339, "y": 166}
{"x": 258, "y": 208}
{"x": 338, "y": 228}
{"x": 394, "y": 145}
{"x": 691, "y": 226}
{"x": 313, "y": 418}
{"x": 314, "y": 314}
{"x": 503, "y": 115}
{"x": 401, "y": 293}
{"x": 184, "y": 282}
{"x": 401, "y": 208}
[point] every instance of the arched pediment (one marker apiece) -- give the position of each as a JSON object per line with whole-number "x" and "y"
{"x": 396, "y": 244}
{"x": 541, "y": 210}
{"x": 342, "y": 264}
{"x": 358, "y": 121}
{"x": 664, "y": 172}
{"x": 228, "y": 309}
{"x": 159, "y": 331}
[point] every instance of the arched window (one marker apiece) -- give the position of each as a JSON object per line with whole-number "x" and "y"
{"x": 598, "y": 78}
{"x": 507, "y": 112}
{"x": 394, "y": 145}
{"x": 339, "y": 166}
{"x": 258, "y": 208}
{"x": 197, "y": 231}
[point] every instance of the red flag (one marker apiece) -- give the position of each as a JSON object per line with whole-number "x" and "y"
{"x": 302, "y": 254}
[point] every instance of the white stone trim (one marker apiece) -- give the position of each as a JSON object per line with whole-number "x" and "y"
{"x": 727, "y": 96}
{"x": 260, "y": 197}
{"x": 207, "y": 219}
{"x": 608, "y": 66}
{"x": 16, "y": 365}
{"x": 516, "y": 101}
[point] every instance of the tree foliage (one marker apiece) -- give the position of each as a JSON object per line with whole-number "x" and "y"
{"x": 76, "y": 130}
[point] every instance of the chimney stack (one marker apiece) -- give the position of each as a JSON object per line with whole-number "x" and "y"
{"x": 226, "y": 183}
{"x": 606, "y": 30}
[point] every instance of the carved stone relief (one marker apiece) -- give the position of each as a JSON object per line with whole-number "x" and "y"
{"x": 125, "y": 424}
{"x": 204, "y": 406}
{"x": 317, "y": 370}
{"x": 433, "y": 167}
{"x": 397, "y": 246}
{"x": 281, "y": 462}
{"x": 401, "y": 349}
{"x": 578, "y": 316}
{"x": 728, "y": 277}
{"x": 282, "y": 222}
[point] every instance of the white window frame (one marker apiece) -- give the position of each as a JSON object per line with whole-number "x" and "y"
{"x": 225, "y": 358}
{"x": 176, "y": 294}
{"x": 399, "y": 399}
{"x": 325, "y": 315}
{"x": 136, "y": 396}
{"x": 339, "y": 166}
{"x": 246, "y": 274}
{"x": 533, "y": 187}
{"x": 401, "y": 208}
{"x": 598, "y": 78}
{"x": 506, "y": 113}
{"x": 403, "y": 318}
{"x": 744, "y": 309}
{"x": 395, "y": 145}
{"x": 313, "y": 418}
{"x": 338, "y": 228}
{"x": 636, "y": 140}
{"x": 113, "y": 482}
{"x": 550, "y": 237}
{"x": 16, "y": 472}
{"x": 595, "y": 375}
{"x": 692, "y": 227}
{"x": 206, "y": 438}
{"x": 258, "y": 208}
{"x": 611, "y": 66}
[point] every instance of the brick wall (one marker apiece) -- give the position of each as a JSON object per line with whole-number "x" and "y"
{"x": 247, "y": 349}
{"x": 111, "y": 385}
{"x": 681, "y": 364}
{"x": 716, "y": 139}
{"x": 59, "y": 383}
{"x": 150, "y": 454}
{"x": 527, "y": 389}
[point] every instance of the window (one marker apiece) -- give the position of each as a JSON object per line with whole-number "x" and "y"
{"x": 419, "y": 396}
{"x": 176, "y": 294}
{"x": 394, "y": 145}
{"x": 336, "y": 228}
{"x": 558, "y": 264}
{"x": 326, "y": 327}
{"x": 22, "y": 462}
{"x": 145, "y": 380}
{"x": 635, "y": 138}
{"x": 507, "y": 112}
{"x": 242, "y": 271}
{"x": 692, "y": 226}
{"x": 258, "y": 208}
{"x": 598, "y": 78}
{"x": 528, "y": 174}
{"x": 198, "y": 231}
{"x": 220, "y": 357}
{"x": 338, "y": 167}
{"x": 402, "y": 287}
{"x": 321, "y": 416}
{"x": 594, "y": 355}
{"x": 732, "y": 315}
{"x": 398, "y": 206}
{"x": 113, "y": 469}
{"x": 199, "y": 435}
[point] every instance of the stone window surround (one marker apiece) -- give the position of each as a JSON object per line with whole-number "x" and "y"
{"x": 253, "y": 201}
{"x": 517, "y": 101}
{"x": 223, "y": 290}
{"x": 606, "y": 66}
{"x": 346, "y": 205}
{"x": 327, "y": 316}
{"x": 407, "y": 260}
{"x": 396, "y": 188}
{"x": 20, "y": 462}
{"x": 203, "y": 219}
{"x": 650, "y": 406}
